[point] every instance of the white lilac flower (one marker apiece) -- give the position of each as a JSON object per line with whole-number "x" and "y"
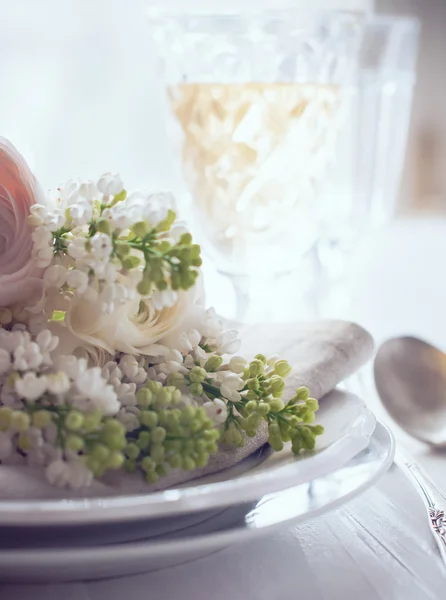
{"x": 41, "y": 237}
{"x": 27, "y": 356}
{"x": 129, "y": 420}
{"x": 237, "y": 364}
{"x": 74, "y": 367}
{"x": 43, "y": 257}
{"x": 78, "y": 475}
{"x": 58, "y": 473}
{"x": 55, "y": 219}
{"x": 101, "y": 246}
{"x": 38, "y": 215}
{"x": 77, "y": 280}
{"x": 77, "y": 250}
{"x": 5, "y": 361}
{"x": 165, "y": 298}
{"x": 47, "y": 343}
{"x": 93, "y": 386}
{"x": 81, "y": 212}
{"x": 58, "y": 383}
{"x": 110, "y": 184}
{"x": 112, "y": 373}
{"x": 126, "y": 394}
{"x": 216, "y": 410}
{"x": 228, "y": 342}
{"x": 55, "y": 276}
{"x": 31, "y": 387}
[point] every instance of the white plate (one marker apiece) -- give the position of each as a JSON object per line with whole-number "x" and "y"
{"x": 273, "y": 510}
{"x": 348, "y": 427}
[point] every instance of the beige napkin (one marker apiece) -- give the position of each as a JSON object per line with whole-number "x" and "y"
{"x": 322, "y": 354}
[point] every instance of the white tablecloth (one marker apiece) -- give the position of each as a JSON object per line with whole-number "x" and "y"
{"x": 379, "y": 546}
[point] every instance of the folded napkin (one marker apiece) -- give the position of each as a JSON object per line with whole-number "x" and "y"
{"x": 322, "y": 354}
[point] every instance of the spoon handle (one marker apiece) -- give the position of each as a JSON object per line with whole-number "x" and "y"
{"x": 434, "y": 501}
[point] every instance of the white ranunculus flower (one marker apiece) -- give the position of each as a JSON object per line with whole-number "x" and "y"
{"x": 133, "y": 327}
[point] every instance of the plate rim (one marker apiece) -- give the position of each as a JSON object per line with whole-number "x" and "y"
{"x": 193, "y": 498}
{"x": 150, "y": 548}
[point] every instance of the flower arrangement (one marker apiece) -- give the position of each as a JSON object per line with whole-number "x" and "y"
{"x": 108, "y": 360}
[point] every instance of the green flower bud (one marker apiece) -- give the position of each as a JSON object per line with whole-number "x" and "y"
{"x": 5, "y": 418}
{"x": 92, "y": 421}
{"x": 197, "y": 375}
{"x": 143, "y": 440}
{"x": 302, "y": 393}
{"x": 276, "y": 405}
{"x": 148, "y": 418}
{"x": 163, "y": 396}
{"x": 144, "y": 287}
{"x": 24, "y": 443}
{"x": 309, "y": 417}
{"x": 213, "y": 363}
{"x": 158, "y": 435}
{"x": 277, "y": 386}
{"x": 103, "y": 226}
{"x": 282, "y": 368}
{"x": 40, "y": 419}
{"x": 163, "y": 247}
{"x": 256, "y": 367}
{"x": 263, "y": 408}
{"x": 175, "y": 379}
{"x": 74, "y": 420}
{"x": 276, "y": 444}
{"x": 100, "y": 452}
{"x": 253, "y": 384}
{"x": 195, "y": 251}
{"x": 188, "y": 463}
{"x": 175, "y": 280}
{"x": 157, "y": 453}
{"x": 261, "y": 357}
{"x": 167, "y": 223}
{"x": 20, "y": 421}
{"x": 175, "y": 461}
{"x": 151, "y": 477}
{"x": 132, "y": 451}
{"x": 140, "y": 229}
{"x": 312, "y": 404}
{"x": 251, "y": 406}
{"x": 74, "y": 442}
{"x": 153, "y": 386}
{"x": 251, "y": 395}
{"x": 130, "y": 262}
{"x": 186, "y": 239}
{"x": 148, "y": 464}
{"x": 144, "y": 397}
{"x": 318, "y": 429}
{"x": 176, "y": 396}
{"x": 196, "y": 389}
{"x": 115, "y": 460}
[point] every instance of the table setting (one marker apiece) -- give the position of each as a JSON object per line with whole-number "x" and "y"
{"x": 228, "y": 390}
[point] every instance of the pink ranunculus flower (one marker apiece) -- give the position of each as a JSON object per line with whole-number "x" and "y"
{"x": 20, "y": 280}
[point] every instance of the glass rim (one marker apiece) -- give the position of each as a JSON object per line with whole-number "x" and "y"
{"x": 368, "y": 17}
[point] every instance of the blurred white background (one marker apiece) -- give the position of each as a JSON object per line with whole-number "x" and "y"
{"x": 80, "y": 92}
{"x": 80, "y": 95}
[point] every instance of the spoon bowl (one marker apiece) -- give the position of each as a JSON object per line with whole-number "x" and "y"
{"x": 410, "y": 377}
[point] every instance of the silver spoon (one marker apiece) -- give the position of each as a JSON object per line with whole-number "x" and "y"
{"x": 410, "y": 377}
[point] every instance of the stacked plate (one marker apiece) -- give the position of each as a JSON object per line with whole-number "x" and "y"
{"x": 105, "y": 537}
